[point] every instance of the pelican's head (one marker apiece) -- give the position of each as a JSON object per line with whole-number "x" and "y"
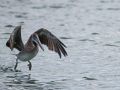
{"x": 36, "y": 41}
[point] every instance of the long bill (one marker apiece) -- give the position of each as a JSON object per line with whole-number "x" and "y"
{"x": 38, "y": 41}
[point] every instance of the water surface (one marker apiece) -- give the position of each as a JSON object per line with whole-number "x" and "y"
{"x": 89, "y": 29}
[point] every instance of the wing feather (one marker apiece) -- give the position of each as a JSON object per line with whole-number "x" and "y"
{"x": 15, "y": 40}
{"x": 51, "y": 41}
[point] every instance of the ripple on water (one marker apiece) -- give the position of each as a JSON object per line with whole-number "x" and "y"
{"x": 6, "y": 33}
{"x": 111, "y": 45}
{"x": 95, "y": 33}
{"x": 66, "y": 37}
{"x": 89, "y": 78}
{"x": 56, "y": 6}
{"x": 39, "y": 7}
{"x": 9, "y": 26}
{"x": 31, "y": 84}
{"x": 87, "y": 40}
{"x": 20, "y": 16}
{"x": 4, "y": 68}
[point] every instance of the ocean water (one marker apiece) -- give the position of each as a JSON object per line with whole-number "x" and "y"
{"x": 89, "y": 28}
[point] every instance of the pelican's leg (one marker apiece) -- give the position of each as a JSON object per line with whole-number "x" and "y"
{"x": 29, "y": 65}
{"x": 16, "y": 65}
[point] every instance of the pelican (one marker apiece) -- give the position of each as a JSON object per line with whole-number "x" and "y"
{"x": 30, "y": 49}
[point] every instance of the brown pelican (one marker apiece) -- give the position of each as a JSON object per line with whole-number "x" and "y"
{"x": 30, "y": 49}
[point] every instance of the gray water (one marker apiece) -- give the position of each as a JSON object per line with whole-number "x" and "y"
{"x": 89, "y": 28}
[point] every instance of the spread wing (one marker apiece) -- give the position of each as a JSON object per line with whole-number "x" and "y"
{"x": 51, "y": 41}
{"x": 15, "y": 40}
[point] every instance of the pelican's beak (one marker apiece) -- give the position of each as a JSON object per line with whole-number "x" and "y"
{"x": 36, "y": 39}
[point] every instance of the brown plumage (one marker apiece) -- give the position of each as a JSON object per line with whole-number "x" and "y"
{"x": 15, "y": 40}
{"x": 51, "y": 41}
{"x": 30, "y": 49}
